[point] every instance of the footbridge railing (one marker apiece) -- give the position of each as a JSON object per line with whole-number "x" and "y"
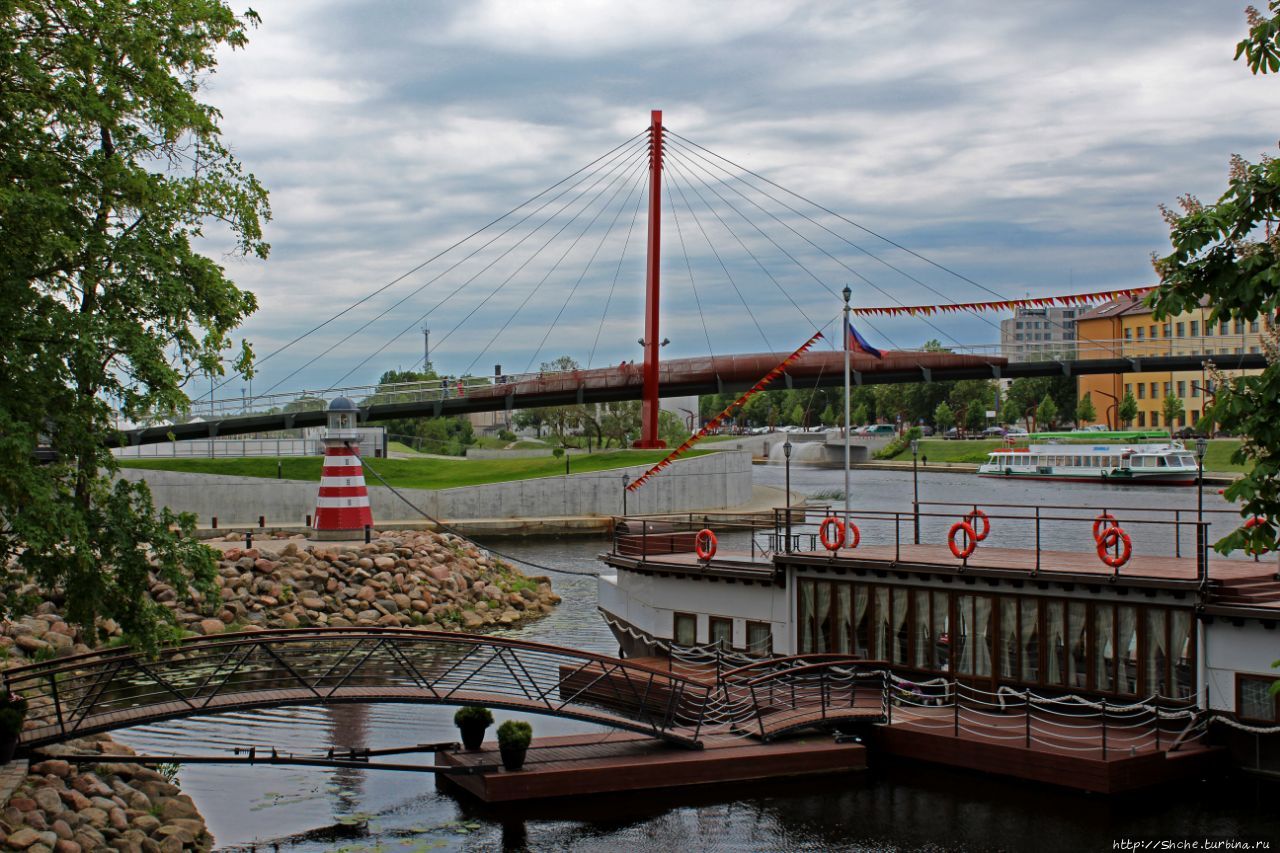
{"x": 115, "y": 689}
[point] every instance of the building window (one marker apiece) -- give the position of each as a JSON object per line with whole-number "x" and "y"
{"x": 1155, "y": 419}
{"x": 1165, "y": 331}
{"x": 1166, "y": 389}
{"x": 1180, "y": 330}
{"x": 720, "y": 632}
{"x": 1128, "y": 388}
{"x": 1142, "y": 418}
{"x": 1182, "y": 388}
{"x": 1253, "y": 326}
{"x": 1239, "y": 327}
{"x": 1154, "y": 391}
{"x": 685, "y": 629}
{"x": 1224, "y": 328}
{"x": 1195, "y": 328}
{"x": 1153, "y": 331}
{"x": 1254, "y": 700}
{"x": 1142, "y": 334}
{"x": 1142, "y": 391}
{"x": 1195, "y": 390}
{"x": 759, "y": 638}
{"x": 1128, "y": 334}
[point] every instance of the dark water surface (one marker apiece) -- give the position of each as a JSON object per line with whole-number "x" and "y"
{"x": 904, "y": 807}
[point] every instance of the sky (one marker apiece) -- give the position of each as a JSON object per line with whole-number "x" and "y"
{"x": 1015, "y": 148}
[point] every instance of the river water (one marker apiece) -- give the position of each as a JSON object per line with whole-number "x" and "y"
{"x": 903, "y": 807}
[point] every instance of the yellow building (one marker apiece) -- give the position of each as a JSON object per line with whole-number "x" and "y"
{"x": 1126, "y": 328}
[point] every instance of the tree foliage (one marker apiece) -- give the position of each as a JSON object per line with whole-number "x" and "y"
{"x": 1229, "y": 252}
{"x": 1128, "y": 409}
{"x": 111, "y": 169}
{"x": 1085, "y": 412}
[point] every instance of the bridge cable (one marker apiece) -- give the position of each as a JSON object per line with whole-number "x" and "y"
{"x": 434, "y": 257}
{"x": 688, "y": 162}
{"x": 459, "y": 288}
{"x": 622, "y": 257}
{"x": 638, "y": 174}
{"x": 586, "y": 268}
{"x": 723, "y": 267}
{"x": 860, "y": 227}
{"x": 613, "y": 160}
{"x": 620, "y": 181}
{"x": 679, "y": 171}
{"x": 675, "y": 215}
{"x": 440, "y": 525}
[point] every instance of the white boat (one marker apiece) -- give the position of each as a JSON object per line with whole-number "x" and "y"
{"x": 1165, "y": 464}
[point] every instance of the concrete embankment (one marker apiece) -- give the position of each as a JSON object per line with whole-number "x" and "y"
{"x": 697, "y": 483}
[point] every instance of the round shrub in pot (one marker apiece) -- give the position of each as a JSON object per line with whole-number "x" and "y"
{"x": 471, "y": 723}
{"x": 513, "y": 742}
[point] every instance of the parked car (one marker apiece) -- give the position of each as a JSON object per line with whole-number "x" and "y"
{"x": 993, "y": 432}
{"x": 881, "y": 429}
{"x": 1016, "y": 431}
{"x": 926, "y": 430}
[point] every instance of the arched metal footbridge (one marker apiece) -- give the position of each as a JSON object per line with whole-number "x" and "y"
{"x": 118, "y": 689}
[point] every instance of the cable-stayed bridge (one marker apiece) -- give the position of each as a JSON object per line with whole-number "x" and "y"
{"x": 553, "y": 268}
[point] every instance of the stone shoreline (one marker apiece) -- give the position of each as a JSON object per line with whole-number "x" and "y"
{"x": 416, "y": 579}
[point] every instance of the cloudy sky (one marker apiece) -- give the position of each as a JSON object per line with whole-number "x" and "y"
{"x": 1025, "y": 146}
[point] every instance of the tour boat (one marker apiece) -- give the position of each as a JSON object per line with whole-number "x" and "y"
{"x": 1165, "y": 464}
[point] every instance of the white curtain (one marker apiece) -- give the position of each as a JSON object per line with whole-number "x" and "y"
{"x": 982, "y": 633}
{"x": 900, "y": 634}
{"x": 924, "y": 641}
{"x": 1180, "y": 649}
{"x": 962, "y": 660}
{"x": 861, "y": 597}
{"x": 822, "y": 641}
{"x": 806, "y": 617}
{"x": 1127, "y": 650}
{"x": 882, "y": 623}
{"x": 1157, "y": 656}
{"x": 1079, "y": 655}
{"x": 941, "y": 616}
{"x": 1029, "y": 611}
{"x": 1055, "y": 644}
{"x": 843, "y": 614}
{"x": 1009, "y": 638}
{"x": 1104, "y": 654}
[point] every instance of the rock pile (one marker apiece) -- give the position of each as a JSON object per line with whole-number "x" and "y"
{"x": 437, "y": 581}
{"x": 65, "y": 808}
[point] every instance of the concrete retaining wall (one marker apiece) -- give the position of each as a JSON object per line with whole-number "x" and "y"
{"x": 703, "y": 482}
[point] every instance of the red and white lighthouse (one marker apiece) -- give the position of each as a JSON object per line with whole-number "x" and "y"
{"x": 342, "y": 505}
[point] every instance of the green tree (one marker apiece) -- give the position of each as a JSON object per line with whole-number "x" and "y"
{"x": 1085, "y": 413}
{"x": 111, "y": 169}
{"x": 1228, "y": 251}
{"x": 1172, "y": 409}
{"x": 1128, "y": 409}
{"x": 858, "y": 416}
{"x": 829, "y": 416}
{"x": 943, "y": 418}
{"x": 1046, "y": 413}
{"x": 1010, "y": 411}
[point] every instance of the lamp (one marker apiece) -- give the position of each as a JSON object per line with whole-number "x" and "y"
{"x": 847, "y": 293}
{"x": 786, "y": 454}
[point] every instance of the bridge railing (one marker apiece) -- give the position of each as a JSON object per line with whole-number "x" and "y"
{"x": 115, "y": 689}
{"x": 791, "y": 695}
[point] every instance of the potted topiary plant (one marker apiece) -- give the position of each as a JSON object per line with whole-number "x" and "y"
{"x": 13, "y": 712}
{"x": 513, "y": 742}
{"x": 471, "y": 723}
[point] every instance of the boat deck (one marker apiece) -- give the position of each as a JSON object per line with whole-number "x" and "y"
{"x": 1141, "y": 569}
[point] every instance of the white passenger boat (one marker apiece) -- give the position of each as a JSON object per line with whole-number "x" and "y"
{"x": 1166, "y": 464}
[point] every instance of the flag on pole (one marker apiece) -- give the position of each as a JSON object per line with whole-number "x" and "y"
{"x": 855, "y": 342}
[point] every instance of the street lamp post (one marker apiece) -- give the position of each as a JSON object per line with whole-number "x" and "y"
{"x": 786, "y": 455}
{"x": 626, "y": 479}
{"x": 915, "y": 486}
{"x": 844, "y": 337}
{"x": 1201, "y": 446}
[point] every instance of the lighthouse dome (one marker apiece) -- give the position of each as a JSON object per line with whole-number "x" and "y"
{"x": 341, "y": 404}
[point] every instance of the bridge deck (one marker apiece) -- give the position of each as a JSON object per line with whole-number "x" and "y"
{"x": 578, "y": 765}
{"x": 157, "y": 712}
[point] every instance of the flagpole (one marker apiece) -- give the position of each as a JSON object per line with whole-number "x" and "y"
{"x": 844, "y": 337}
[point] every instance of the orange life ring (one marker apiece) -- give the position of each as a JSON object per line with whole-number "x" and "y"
{"x": 1110, "y": 537}
{"x": 827, "y": 541}
{"x": 1106, "y": 518}
{"x": 855, "y": 536}
{"x": 971, "y": 539}
{"x": 986, "y": 524}
{"x": 1254, "y": 522}
{"x": 707, "y": 551}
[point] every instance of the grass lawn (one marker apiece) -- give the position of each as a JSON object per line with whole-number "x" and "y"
{"x": 1217, "y": 458}
{"x": 399, "y": 447}
{"x": 413, "y": 473}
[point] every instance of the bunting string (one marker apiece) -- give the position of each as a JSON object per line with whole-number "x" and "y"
{"x": 715, "y": 422}
{"x": 1003, "y": 304}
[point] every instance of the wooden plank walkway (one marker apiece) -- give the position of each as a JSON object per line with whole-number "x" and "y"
{"x": 576, "y": 765}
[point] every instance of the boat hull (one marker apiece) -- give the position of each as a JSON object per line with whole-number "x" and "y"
{"x": 1153, "y": 480}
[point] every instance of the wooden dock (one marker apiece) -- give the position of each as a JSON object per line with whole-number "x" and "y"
{"x": 617, "y": 762}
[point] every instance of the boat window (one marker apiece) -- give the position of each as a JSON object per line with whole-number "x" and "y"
{"x": 1104, "y": 655}
{"x": 1182, "y": 652}
{"x": 962, "y": 651}
{"x": 920, "y": 629}
{"x": 1127, "y": 649}
{"x": 720, "y": 632}
{"x": 901, "y": 633}
{"x": 844, "y": 614}
{"x": 880, "y": 651}
{"x": 759, "y": 638}
{"x": 1077, "y": 645}
{"x": 861, "y": 621}
{"x": 1029, "y": 609}
{"x": 822, "y": 615}
{"x": 685, "y": 629}
{"x": 1055, "y": 643}
{"x": 1156, "y": 654}
{"x": 1162, "y": 462}
{"x": 984, "y": 635}
{"x": 941, "y": 619}
{"x": 1009, "y": 638}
